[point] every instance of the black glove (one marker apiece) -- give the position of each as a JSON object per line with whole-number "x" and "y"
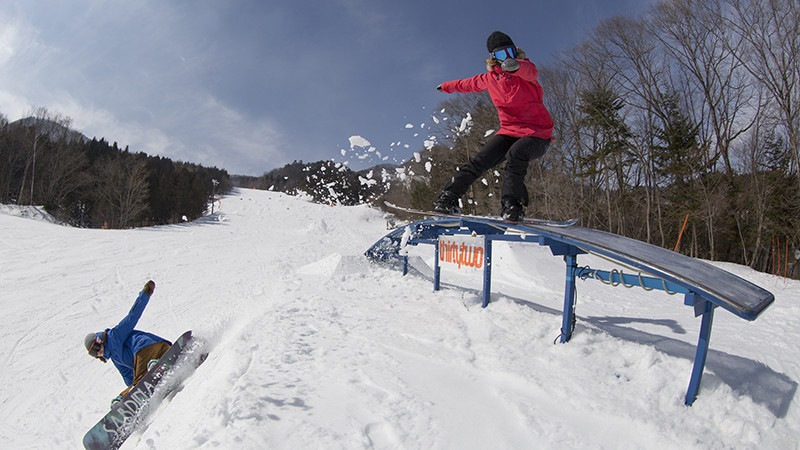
{"x": 510, "y": 65}
{"x": 149, "y": 287}
{"x": 439, "y": 87}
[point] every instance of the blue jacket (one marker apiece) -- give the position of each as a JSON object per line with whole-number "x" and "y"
{"x": 123, "y": 342}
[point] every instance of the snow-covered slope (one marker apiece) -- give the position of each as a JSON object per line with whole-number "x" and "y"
{"x": 313, "y": 347}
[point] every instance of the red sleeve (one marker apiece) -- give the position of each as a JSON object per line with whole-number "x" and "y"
{"x": 475, "y": 84}
{"x": 527, "y": 71}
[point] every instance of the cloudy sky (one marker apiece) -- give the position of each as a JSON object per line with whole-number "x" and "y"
{"x": 251, "y": 85}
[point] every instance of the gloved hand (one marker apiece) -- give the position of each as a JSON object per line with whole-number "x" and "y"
{"x": 439, "y": 87}
{"x": 149, "y": 287}
{"x": 510, "y": 65}
{"x": 116, "y": 400}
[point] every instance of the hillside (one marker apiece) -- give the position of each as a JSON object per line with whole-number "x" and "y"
{"x": 311, "y": 346}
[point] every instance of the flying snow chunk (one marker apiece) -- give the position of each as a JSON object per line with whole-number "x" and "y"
{"x": 344, "y": 152}
{"x": 429, "y": 166}
{"x": 417, "y": 157}
{"x": 466, "y": 124}
{"x": 367, "y": 181}
{"x": 488, "y": 132}
{"x": 408, "y": 125}
{"x": 358, "y": 141}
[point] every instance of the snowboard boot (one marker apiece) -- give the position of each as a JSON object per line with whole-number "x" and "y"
{"x": 447, "y": 203}
{"x": 512, "y": 211}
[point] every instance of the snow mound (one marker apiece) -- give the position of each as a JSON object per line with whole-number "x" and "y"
{"x": 28, "y": 212}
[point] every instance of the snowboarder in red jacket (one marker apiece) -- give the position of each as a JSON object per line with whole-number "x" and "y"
{"x": 525, "y": 127}
{"x": 130, "y": 350}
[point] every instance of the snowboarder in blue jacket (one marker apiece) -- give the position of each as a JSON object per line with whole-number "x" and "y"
{"x": 130, "y": 350}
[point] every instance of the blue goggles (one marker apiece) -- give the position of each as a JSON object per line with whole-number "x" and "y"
{"x": 505, "y": 53}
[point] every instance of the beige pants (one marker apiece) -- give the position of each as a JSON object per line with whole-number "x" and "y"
{"x": 140, "y": 360}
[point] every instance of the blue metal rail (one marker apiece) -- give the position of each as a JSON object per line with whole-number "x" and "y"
{"x": 667, "y": 271}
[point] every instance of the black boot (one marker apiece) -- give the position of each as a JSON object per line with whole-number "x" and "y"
{"x": 447, "y": 203}
{"x": 512, "y": 211}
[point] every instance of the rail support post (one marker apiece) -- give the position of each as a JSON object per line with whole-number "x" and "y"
{"x": 569, "y": 297}
{"x": 487, "y": 270}
{"x": 707, "y": 310}
{"x": 437, "y": 270}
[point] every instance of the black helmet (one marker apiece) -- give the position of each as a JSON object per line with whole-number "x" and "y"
{"x": 498, "y": 40}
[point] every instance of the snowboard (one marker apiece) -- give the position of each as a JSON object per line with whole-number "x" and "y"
{"x": 524, "y": 221}
{"x": 126, "y": 415}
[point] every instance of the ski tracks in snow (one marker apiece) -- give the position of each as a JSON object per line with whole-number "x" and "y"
{"x": 311, "y": 346}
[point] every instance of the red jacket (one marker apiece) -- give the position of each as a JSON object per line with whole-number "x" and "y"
{"x": 517, "y": 96}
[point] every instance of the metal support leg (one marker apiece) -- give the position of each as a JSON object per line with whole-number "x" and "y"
{"x": 437, "y": 271}
{"x": 702, "y": 353}
{"x": 405, "y": 265}
{"x": 487, "y": 270}
{"x": 569, "y": 297}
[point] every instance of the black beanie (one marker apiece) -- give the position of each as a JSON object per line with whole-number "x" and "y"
{"x": 498, "y": 40}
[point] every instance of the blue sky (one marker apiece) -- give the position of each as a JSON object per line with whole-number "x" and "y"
{"x": 250, "y": 85}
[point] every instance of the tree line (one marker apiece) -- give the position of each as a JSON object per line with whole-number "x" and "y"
{"x": 682, "y": 122}
{"x": 91, "y": 183}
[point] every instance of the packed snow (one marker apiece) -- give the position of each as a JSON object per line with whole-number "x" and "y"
{"x": 312, "y": 346}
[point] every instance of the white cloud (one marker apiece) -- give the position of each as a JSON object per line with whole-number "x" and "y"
{"x": 142, "y": 82}
{"x": 8, "y": 35}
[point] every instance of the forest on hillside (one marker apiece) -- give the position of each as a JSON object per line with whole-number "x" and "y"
{"x": 91, "y": 183}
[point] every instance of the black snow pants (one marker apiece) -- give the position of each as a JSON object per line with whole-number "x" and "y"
{"x": 517, "y": 152}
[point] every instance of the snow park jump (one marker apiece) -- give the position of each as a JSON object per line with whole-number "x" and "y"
{"x": 461, "y": 240}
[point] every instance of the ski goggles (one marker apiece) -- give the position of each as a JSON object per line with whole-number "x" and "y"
{"x": 505, "y": 53}
{"x": 95, "y": 349}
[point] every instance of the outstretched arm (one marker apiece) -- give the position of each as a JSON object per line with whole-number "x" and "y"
{"x": 127, "y": 324}
{"x": 474, "y": 84}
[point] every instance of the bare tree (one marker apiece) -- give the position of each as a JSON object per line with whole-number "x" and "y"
{"x": 634, "y": 54}
{"x": 41, "y": 130}
{"x": 694, "y": 34}
{"x": 122, "y": 190}
{"x": 770, "y": 33}
{"x": 63, "y": 173}
{"x": 565, "y": 195}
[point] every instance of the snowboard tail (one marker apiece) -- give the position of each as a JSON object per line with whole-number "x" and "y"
{"x": 126, "y": 415}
